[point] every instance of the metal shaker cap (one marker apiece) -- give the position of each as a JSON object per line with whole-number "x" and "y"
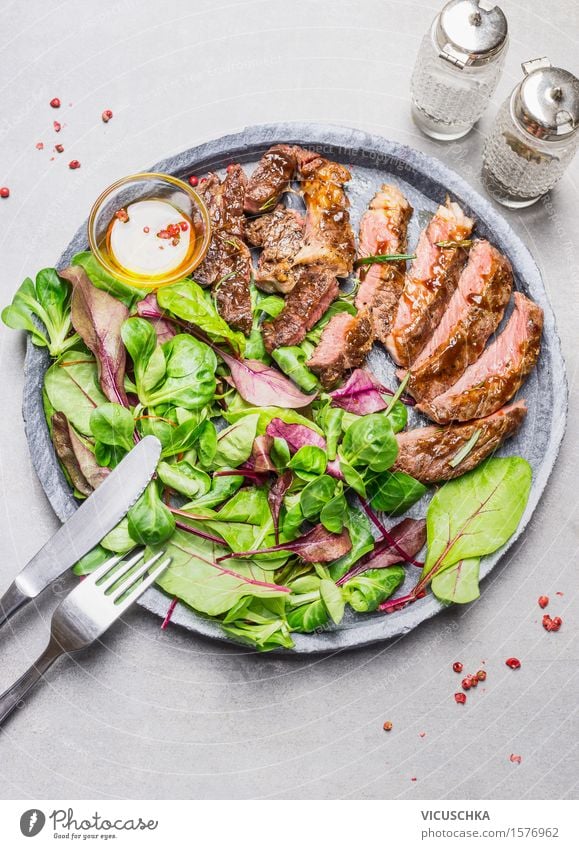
{"x": 546, "y": 102}
{"x": 469, "y": 32}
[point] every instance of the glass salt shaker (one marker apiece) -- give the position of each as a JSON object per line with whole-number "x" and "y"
{"x": 458, "y": 67}
{"x": 534, "y": 137}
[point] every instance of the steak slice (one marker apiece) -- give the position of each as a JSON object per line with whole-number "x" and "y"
{"x": 328, "y": 238}
{"x": 224, "y": 200}
{"x": 270, "y": 179}
{"x": 345, "y": 344}
{"x": 383, "y": 230}
{"x": 227, "y": 264}
{"x": 280, "y": 235}
{"x": 474, "y": 312}
{"x": 315, "y": 289}
{"x": 327, "y": 251}
{"x": 231, "y": 290}
{"x": 425, "y": 453}
{"x": 429, "y": 283}
{"x": 502, "y": 369}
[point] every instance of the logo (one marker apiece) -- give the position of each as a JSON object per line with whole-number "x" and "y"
{"x": 32, "y": 822}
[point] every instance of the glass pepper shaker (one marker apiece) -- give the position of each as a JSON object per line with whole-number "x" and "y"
{"x": 457, "y": 68}
{"x": 534, "y": 137}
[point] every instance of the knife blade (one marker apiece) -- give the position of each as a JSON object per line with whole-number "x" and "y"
{"x": 95, "y": 517}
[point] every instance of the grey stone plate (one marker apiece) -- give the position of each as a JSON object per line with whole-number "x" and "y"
{"x": 425, "y": 181}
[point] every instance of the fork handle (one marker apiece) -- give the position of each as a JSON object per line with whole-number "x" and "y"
{"x": 10, "y": 699}
{"x": 11, "y": 601}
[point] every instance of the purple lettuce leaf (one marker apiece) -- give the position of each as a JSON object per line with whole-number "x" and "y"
{"x": 97, "y": 317}
{"x": 316, "y": 546}
{"x": 362, "y": 394}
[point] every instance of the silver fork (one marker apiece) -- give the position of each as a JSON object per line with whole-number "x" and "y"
{"x": 85, "y": 614}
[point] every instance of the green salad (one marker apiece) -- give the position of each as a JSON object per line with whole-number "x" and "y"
{"x": 268, "y": 492}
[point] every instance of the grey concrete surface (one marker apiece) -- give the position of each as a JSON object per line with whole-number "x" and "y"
{"x": 161, "y": 714}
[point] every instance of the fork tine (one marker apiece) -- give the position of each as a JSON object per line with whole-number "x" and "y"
{"x": 120, "y": 575}
{"x": 132, "y": 579}
{"x": 144, "y": 585}
{"x": 99, "y": 573}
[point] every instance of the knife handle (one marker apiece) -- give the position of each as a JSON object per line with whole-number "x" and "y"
{"x": 11, "y": 698}
{"x": 12, "y": 600}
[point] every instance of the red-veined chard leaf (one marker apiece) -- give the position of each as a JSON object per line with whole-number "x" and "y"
{"x": 276, "y": 496}
{"x": 97, "y": 317}
{"x": 198, "y": 579}
{"x": 296, "y": 435}
{"x": 458, "y": 583}
{"x": 149, "y": 308}
{"x": 472, "y": 516}
{"x": 78, "y": 460}
{"x": 263, "y": 385}
{"x": 362, "y": 394}
{"x": 409, "y": 535}
{"x": 316, "y": 546}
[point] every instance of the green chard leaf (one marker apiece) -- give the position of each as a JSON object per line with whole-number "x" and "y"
{"x": 184, "y": 478}
{"x": 292, "y": 361}
{"x": 112, "y": 424}
{"x": 249, "y": 505}
{"x": 222, "y": 488}
{"x": 208, "y": 587}
{"x": 367, "y": 591}
{"x": 315, "y": 495}
{"x": 475, "y": 515}
{"x": 308, "y": 462}
{"x": 119, "y": 540}
{"x": 458, "y": 583}
{"x": 72, "y": 387}
{"x": 188, "y": 301}
{"x": 99, "y": 277}
{"x": 394, "y": 492}
{"x": 234, "y": 444}
{"x": 91, "y": 561}
{"x": 308, "y": 617}
{"x": 333, "y": 599}
{"x": 180, "y": 372}
{"x": 353, "y": 478}
{"x": 238, "y": 408}
{"x": 362, "y": 542}
{"x": 334, "y": 514}
{"x": 150, "y": 522}
{"x": 398, "y": 416}
{"x": 331, "y": 422}
{"x": 370, "y": 442}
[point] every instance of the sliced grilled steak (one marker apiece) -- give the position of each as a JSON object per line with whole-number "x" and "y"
{"x": 328, "y": 238}
{"x": 231, "y": 291}
{"x": 345, "y": 344}
{"x": 502, "y": 369}
{"x": 429, "y": 283}
{"x": 280, "y": 235}
{"x": 315, "y": 289}
{"x": 426, "y": 452}
{"x": 270, "y": 179}
{"x": 383, "y": 230}
{"x": 474, "y": 312}
{"x": 224, "y": 200}
{"x": 227, "y": 264}
{"x": 327, "y": 252}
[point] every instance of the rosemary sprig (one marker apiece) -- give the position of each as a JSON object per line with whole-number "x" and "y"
{"x": 376, "y": 258}
{"x": 463, "y": 452}
{"x": 398, "y": 393}
{"x": 463, "y": 243}
{"x": 269, "y": 204}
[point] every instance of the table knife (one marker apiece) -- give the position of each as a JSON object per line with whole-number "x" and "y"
{"x": 96, "y": 516}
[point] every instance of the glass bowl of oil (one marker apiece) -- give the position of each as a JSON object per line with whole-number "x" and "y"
{"x": 149, "y": 230}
